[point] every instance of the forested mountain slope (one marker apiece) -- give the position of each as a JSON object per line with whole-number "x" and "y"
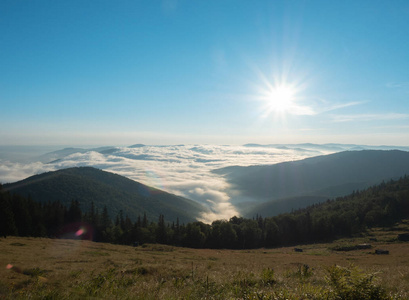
{"x": 381, "y": 205}
{"x": 324, "y": 176}
{"x": 86, "y": 185}
{"x": 280, "y": 206}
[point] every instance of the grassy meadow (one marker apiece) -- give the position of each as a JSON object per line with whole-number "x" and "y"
{"x": 43, "y": 268}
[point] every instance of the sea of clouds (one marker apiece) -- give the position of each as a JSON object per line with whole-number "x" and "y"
{"x": 185, "y": 170}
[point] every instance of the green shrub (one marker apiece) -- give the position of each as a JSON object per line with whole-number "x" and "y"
{"x": 352, "y": 284}
{"x": 267, "y": 276}
{"x": 303, "y": 272}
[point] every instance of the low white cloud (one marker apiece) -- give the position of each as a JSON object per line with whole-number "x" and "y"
{"x": 335, "y": 106}
{"x": 185, "y": 170}
{"x": 12, "y": 171}
{"x": 322, "y": 108}
{"x": 300, "y": 110}
{"x": 369, "y": 117}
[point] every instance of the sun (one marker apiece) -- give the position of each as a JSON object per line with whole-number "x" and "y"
{"x": 281, "y": 98}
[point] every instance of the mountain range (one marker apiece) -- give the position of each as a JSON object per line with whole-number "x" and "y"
{"x": 266, "y": 190}
{"x": 291, "y": 185}
{"x": 313, "y": 149}
{"x": 87, "y": 184}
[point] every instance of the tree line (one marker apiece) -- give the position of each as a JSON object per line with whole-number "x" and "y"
{"x": 380, "y": 205}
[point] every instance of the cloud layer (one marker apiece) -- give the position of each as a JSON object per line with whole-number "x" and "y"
{"x": 184, "y": 170}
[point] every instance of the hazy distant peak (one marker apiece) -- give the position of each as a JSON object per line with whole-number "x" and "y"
{"x": 329, "y": 147}
{"x": 137, "y": 146}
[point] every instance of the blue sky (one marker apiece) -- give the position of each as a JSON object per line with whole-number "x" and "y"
{"x": 171, "y": 72}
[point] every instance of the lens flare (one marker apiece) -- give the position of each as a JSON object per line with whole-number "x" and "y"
{"x": 80, "y": 231}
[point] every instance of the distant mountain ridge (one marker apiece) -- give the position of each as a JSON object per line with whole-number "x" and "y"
{"x": 328, "y": 176}
{"x": 54, "y": 156}
{"x": 87, "y": 184}
{"x": 331, "y": 147}
{"x": 313, "y": 149}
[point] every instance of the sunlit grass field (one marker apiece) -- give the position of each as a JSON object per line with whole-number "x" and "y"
{"x": 74, "y": 269}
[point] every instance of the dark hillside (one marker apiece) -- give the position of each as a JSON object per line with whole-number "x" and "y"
{"x": 280, "y": 206}
{"x": 381, "y": 205}
{"x": 87, "y": 184}
{"x": 325, "y": 176}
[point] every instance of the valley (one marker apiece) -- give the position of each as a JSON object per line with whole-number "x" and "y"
{"x": 254, "y": 150}
{"x": 297, "y": 245}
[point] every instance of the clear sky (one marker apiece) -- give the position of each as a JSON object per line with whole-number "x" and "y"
{"x": 223, "y": 72}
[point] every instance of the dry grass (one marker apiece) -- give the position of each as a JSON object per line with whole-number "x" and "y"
{"x": 55, "y": 269}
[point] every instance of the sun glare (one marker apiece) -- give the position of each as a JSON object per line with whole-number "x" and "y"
{"x": 281, "y": 99}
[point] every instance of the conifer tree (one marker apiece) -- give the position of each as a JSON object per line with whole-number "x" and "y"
{"x": 74, "y": 213}
{"x": 161, "y": 231}
{"x": 144, "y": 221}
{"x": 105, "y": 220}
{"x": 22, "y": 216}
{"x": 7, "y": 224}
